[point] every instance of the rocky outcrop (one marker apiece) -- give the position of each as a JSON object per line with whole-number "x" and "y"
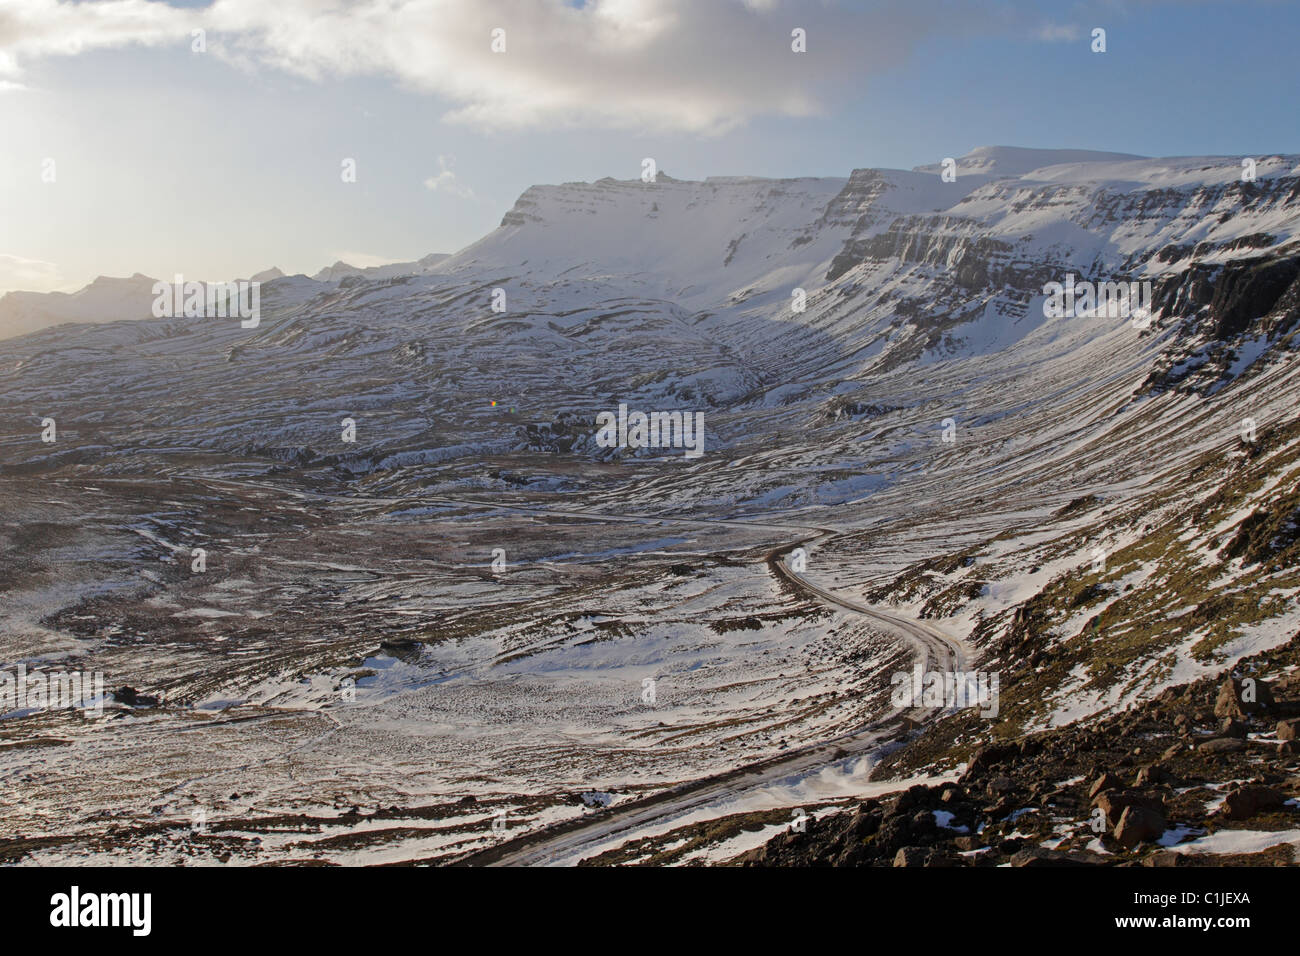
{"x": 1153, "y": 777}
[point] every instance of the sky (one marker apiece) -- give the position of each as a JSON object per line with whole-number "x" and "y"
{"x": 129, "y": 144}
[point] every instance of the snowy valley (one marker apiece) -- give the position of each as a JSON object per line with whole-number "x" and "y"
{"x": 436, "y": 614}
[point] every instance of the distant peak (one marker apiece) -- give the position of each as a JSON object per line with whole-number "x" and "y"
{"x": 1019, "y": 160}
{"x": 137, "y": 278}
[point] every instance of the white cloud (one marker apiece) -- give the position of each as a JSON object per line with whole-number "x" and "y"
{"x": 445, "y": 181}
{"x": 17, "y": 272}
{"x": 700, "y": 65}
{"x": 34, "y": 28}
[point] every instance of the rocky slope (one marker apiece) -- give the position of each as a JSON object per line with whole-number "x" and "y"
{"x": 1206, "y": 773}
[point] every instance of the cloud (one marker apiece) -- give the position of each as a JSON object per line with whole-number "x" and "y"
{"x": 695, "y": 65}
{"x": 446, "y": 181}
{"x": 36, "y": 28}
{"x": 17, "y": 272}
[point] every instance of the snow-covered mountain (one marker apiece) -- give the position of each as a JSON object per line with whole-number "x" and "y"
{"x": 108, "y": 299}
{"x": 104, "y": 300}
{"x": 918, "y": 293}
{"x": 878, "y": 371}
{"x": 342, "y": 270}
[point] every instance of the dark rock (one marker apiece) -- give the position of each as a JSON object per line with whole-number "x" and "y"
{"x": 911, "y": 856}
{"x": 865, "y": 823}
{"x": 1107, "y": 781}
{"x": 1222, "y": 745}
{"x": 1041, "y": 856}
{"x": 1151, "y": 775}
{"x": 1233, "y": 728}
{"x": 1244, "y": 802}
{"x": 1248, "y": 289}
{"x": 1011, "y": 846}
{"x": 1113, "y": 803}
{"x": 999, "y": 810}
{"x": 133, "y": 698}
{"x": 893, "y": 834}
{"x": 853, "y": 855}
{"x": 1001, "y": 785}
{"x": 1137, "y": 825}
{"x": 988, "y": 757}
{"x": 911, "y": 798}
{"x": 1230, "y": 702}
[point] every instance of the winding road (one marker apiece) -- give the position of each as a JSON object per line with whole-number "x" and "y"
{"x": 567, "y": 842}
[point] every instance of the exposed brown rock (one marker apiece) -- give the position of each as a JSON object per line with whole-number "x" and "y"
{"x": 1244, "y": 802}
{"x": 1137, "y": 825}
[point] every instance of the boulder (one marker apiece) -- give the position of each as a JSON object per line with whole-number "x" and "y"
{"x": 1230, "y": 702}
{"x": 1137, "y": 825}
{"x": 1113, "y": 803}
{"x": 911, "y": 856}
{"x": 991, "y": 755}
{"x": 1288, "y": 729}
{"x": 1222, "y": 745}
{"x": 1244, "y": 802}
{"x": 1233, "y": 728}
{"x": 1107, "y": 781}
{"x": 1151, "y": 775}
{"x": 1040, "y": 856}
{"x": 133, "y": 698}
{"x": 1001, "y": 785}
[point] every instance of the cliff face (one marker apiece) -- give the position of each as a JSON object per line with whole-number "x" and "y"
{"x": 921, "y": 268}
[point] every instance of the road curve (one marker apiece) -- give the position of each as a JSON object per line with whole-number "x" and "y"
{"x": 567, "y": 841}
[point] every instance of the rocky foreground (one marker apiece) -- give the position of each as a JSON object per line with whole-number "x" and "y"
{"x": 1207, "y": 773}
